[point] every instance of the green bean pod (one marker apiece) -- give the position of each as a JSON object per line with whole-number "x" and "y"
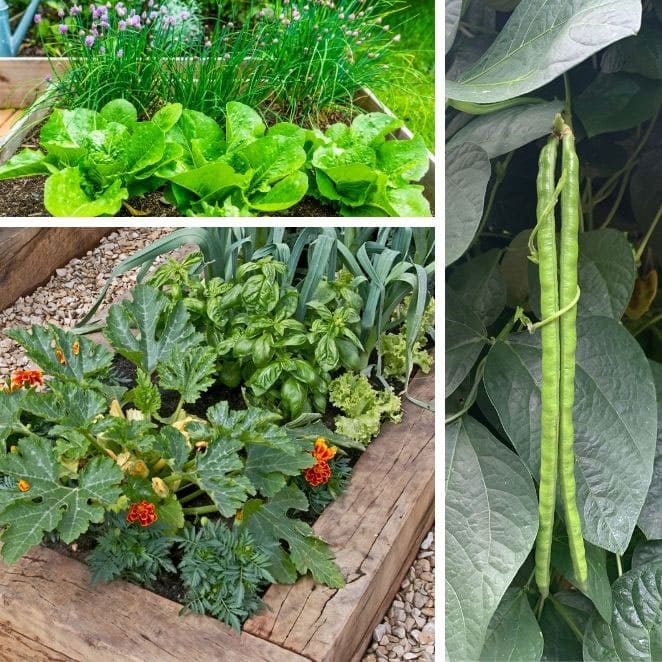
{"x": 568, "y": 328}
{"x": 549, "y": 416}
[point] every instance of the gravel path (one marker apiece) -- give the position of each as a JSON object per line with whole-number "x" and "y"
{"x": 407, "y": 631}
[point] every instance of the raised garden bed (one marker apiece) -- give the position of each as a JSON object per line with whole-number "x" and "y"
{"x": 50, "y": 611}
{"x": 25, "y": 80}
{"x": 29, "y": 256}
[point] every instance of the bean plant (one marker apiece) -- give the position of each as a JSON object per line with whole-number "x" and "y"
{"x": 553, "y": 372}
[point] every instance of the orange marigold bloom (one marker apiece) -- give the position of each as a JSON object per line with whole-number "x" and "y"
{"x": 322, "y": 452}
{"x": 60, "y": 356}
{"x": 75, "y": 348}
{"x": 21, "y": 378}
{"x": 143, "y": 512}
{"x": 319, "y": 474}
{"x": 23, "y": 485}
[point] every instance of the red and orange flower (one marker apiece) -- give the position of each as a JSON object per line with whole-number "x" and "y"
{"x": 29, "y": 378}
{"x": 143, "y": 512}
{"x": 320, "y": 472}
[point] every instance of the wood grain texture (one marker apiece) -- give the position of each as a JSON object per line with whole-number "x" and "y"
{"x": 29, "y": 256}
{"x": 375, "y": 530}
{"x": 23, "y": 79}
{"x": 50, "y": 611}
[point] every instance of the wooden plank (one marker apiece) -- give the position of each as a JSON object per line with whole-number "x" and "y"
{"x": 8, "y": 121}
{"x": 23, "y": 79}
{"x": 375, "y": 530}
{"x": 29, "y": 256}
{"x": 49, "y": 609}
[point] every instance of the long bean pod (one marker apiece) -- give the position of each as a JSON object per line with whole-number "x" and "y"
{"x": 549, "y": 305}
{"x": 568, "y": 330}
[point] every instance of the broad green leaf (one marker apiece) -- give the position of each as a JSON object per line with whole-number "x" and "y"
{"x": 283, "y": 195}
{"x": 243, "y": 124}
{"x": 561, "y": 643}
{"x": 65, "y": 131}
{"x": 633, "y": 632}
{"x": 636, "y": 55}
{"x": 615, "y": 102}
{"x": 606, "y": 274}
{"x": 11, "y": 405}
{"x": 267, "y": 467}
{"x": 269, "y": 525}
{"x": 408, "y": 201}
{"x": 615, "y": 420}
{"x": 272, "y": 158}
{"x": 513, "y": 634}
{"x": 650, "y": 518}
{"x": 541, "y": 40}
{"x": 312, "y": 431}
{"x": 68, "y": 404}
{"x": 598, "y": 587}
{"x": 514, "y": 268}
{"x": 170, "y": 513}
{"x": 491, "y": 524}
{"x": 467, "y": 174}
{"x": 404, "y": 160}
{"x": 465, "y": 338}
{"x": 78, "y": 357}
{"x": 507, "y": 130}
{"x": 452, "y": 15}
{"x": 48, "y": 505}
{"x": 218, "y": 471}
{"x": 371, "y": 129}
{"x": 146, "y": 147}
{"x": 190, "y": 372}
{"x": 64, "y": 196}
{"x": 160, "y": 329}
{"x": 199, "y": 135}
{"x": 479, "y": 284}
{"x": 213, "y": 181}
{"x": 120, "y": 111}
{"x": 166, "y": 117}
{"x": 647, "y": 552}
{"x": 171, "y": 445}
{"x": 26, "y": 163}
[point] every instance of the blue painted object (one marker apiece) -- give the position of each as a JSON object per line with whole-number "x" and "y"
{"x": 9, "y": 42}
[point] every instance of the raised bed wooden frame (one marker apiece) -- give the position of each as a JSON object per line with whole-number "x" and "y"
{"x": 50, "y": 611}
{"x": 22, "y": 79}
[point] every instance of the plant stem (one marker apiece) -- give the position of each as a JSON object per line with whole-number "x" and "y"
{"x": 563, "y": 612}
{"x": 649, "y": 234}
{"x": 619, "y": 565}
{"x": 471, "y": 398}
{"x": 651, "y": 322}
{"x": 619, "y": 196}
{"x": 568, "y": 99}
{"x": 200, "y": 510}
{"x": 191, "y": 496}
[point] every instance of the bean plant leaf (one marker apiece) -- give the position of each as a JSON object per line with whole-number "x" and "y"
{"x": 513, "y": 634}
{"x": 490, "y": 530}
{"x": 561, "y": 643}
{"x": 633, "y": 632}
{"x": 48, "y": 505}
{"x": 615, "y": 420}
{"x": 63, "y": 354}
{"x": 160, "y": 328}
{"x": 479, "y": 284}
{"x": 269, "y": 525}
{"x": 509, "y": 129}
{"x": 541, "y": 40}
{"x": 467, "y": 174}
{"x": 615, "y": 102}
{"x": 636, "y": 55}
{"x": 598, "y": 587}
{"x": 606, "y": 274}
{"x": 465, "y": 338}
{"x": 650, "y": 518}
{"x": 452, "y": 15}
{"x": 648, "y": 551}
{"x": 189, "y": 372}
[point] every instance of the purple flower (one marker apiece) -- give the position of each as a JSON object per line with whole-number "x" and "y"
{"x": 37, "y": 18}
{"x": 120, "y": 11}
{"x": 121, "y": 26}
{"x": 134, "y": 21}
{"x": 60, "y": 12}
{"x": 89, "y": 40}
{"x": 153, "y": 15}
{"x": 75, "y": 10}
{"x": 184, "y": 15}
{"x": 62, "y": 28}
{"x": 104, "y": 24}
{"x": 102, "y": 50}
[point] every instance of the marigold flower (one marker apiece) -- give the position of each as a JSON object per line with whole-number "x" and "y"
{"x": 23, "y": 485}
{"x": 143, "y": 512}
{"x": 319, "y": 474}
{"x": 322, "y": 452}
{"x": 21, "y": 378}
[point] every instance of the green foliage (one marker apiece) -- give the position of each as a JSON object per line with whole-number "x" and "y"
{"x": 323, "y": 495}
{"x": 223, "y": 570}
{"x": 364, "y": 406}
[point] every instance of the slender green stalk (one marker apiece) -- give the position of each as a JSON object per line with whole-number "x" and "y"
{"x": 648, "y": 235}
{"x": 200, "y": 510}
{"x": 619, "y": 565}
{"x": 563, "y": 613}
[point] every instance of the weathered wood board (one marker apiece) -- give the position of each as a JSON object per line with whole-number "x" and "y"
{"x": 49, "y": 611}
{"x": 29, "y": 256}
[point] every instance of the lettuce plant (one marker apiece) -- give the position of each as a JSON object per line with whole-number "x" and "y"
{"x": 78, "y": 449}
